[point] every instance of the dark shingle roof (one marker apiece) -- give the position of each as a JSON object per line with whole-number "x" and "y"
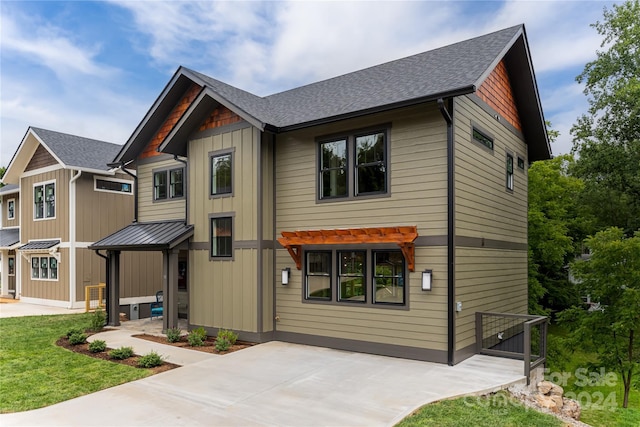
{"x": 76, "y": 151}
{"x": 146, "y": 236}
{"x": 9, "y": 237}
{"x": 9, "y": 188}
{"x": 40, "y": 244}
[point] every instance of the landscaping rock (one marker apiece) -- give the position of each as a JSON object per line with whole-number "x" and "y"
{"x": 544, "y": 387}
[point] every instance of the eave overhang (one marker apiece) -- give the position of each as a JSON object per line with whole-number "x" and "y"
{"x": 403, "y": 236}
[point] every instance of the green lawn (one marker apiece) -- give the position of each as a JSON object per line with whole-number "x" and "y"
{"x": 35, "y": 372}
{"x": 497, "y": 410}
{"x": 601, "y": 401}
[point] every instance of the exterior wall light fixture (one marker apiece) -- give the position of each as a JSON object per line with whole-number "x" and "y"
{"x": 426, "y": 280}
{"x": 286, "y": 272}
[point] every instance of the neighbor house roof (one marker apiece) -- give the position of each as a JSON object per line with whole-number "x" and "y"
{"x": 70, "y": 151}
{"x": 146, "y": 236}
{"x": 10, "y": 189}
{"x": 9, "y": 237}
{"x": 453, "y": 70}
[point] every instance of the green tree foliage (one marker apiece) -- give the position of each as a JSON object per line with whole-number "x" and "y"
{"x": 556, "y": 230}
{"x": 3, "y": 169}
{"x": 611, "y": 278}
{"x": 607, "y": 138}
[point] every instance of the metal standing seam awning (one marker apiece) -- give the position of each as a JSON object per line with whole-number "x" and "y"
{"x": 151, "y": 236}
{"x": 39, "y": 245}
{"x": 403, "y": 236}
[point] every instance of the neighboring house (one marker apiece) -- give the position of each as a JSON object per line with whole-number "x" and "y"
{"x": 377, "y": 211}
{"x": 9, "y": 237}
{"x": 63, "y": 197}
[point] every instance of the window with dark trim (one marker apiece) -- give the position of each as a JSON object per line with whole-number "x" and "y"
{"x": 11, "y": 261}
{"x": 353, "y": 165}
{"x": 482, "y": 138}
{"x": 221, "y": 174}
{"x": 168, "y": 184}
{"x": 114, "y": 186}
{"x": 44, "y": 197}
{"x": 221, "y": 231}
{"x": 509, "y": 172}
{"x": 11, "y": 209}
{"x": 44, "y": 268}
{"x": 353, "y": 275}
{"x": 520, "y": 163}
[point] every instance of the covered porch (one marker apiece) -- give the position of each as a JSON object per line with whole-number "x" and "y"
{"x": 168, "y": 237}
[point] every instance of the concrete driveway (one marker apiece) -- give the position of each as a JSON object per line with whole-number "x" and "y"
{"x": 279, "y": 384}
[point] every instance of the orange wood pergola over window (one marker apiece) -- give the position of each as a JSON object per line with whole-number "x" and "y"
{"x": 403, "y": 236}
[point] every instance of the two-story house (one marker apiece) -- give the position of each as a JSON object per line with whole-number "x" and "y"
{"x": 376, "y": 211}
{"x": 62, "y": 197}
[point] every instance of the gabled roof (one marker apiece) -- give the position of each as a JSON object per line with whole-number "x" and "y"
{"x": 146, "y": 236}
{"x": 453, "y": 70}
{"x": 70, "y": 151}
{"x": 9, "y": 237}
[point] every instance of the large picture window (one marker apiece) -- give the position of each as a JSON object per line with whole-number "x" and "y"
{"x": 221, "y": 168}
{"x": 44, "y": 197}
{"x": 221, "y": 237}
{"x": 44, "y": 268}
{"x": 353, "y": 165}
{"x": 351, "y": 276}
{"x": 168, "y": 184}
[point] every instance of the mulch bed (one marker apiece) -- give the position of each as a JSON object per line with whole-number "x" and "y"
{"x": 208, "y": 347}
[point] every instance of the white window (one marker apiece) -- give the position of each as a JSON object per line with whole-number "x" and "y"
{"x": 44, "y": 200}
{"x": 12, "y": 265}
{"x": 44, "y": 268}
{"x": 113, "y": 185}
{"x": 11, "y": 209}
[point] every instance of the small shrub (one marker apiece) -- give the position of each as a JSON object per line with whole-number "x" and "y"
{"x": 230, "y": 336}
{"x": 196, "y": 337}
{"x": 150, "y": 360}
{"x": 74, "y": 331}
{"x": 98, "y": 319}
{"x": 97, "y": 346}
{"x": 121, "y": 353}
{"x": 173, "y": 334}
{"x": 77, "y": 338}
{"x": 223, "y": 344}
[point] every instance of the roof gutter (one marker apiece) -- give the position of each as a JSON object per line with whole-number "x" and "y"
{"x": 121, "y": 166}
{"x": 108, "y": 283}
{"x": 444, "y": 110}
{"x": 185, "y": 179}
{"x": 72, "y": 237}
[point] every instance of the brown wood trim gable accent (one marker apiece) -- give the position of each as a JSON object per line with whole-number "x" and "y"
{"x": 220, "y": 116}
{"x": 403, "y": 236}
{"x": 40, "y": 159}
{"x": 496, "y": 91}
{"x": 151, "y": 149}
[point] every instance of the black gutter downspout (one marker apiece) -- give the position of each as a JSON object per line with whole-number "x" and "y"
{"x": 106, "y": 289}
{"x": 450, "y": 234}
{"x": 135, "y": 193}
{"x": 186, "y": 188}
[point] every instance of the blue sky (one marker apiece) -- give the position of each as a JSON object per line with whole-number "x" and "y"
{"x": 94, "y": 68}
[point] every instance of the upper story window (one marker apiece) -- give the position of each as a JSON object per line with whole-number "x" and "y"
{"x": 44, "y": 198}
{"x": 221, "y": 173}
{"x": 509, "y": 172}
{"x": 168, "y": 184}
{"x": 11, "y": 209}
{"x": 113, "y": 185}
{"x": 221, "y": 232}
{"x": 482, "y": 137}
{"x": 354, "y": 165}
{"x": 520, "y": 163}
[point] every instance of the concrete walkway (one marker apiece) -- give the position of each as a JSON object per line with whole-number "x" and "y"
{"x": 270, "y": 384}
{"x": 16, "y": 308}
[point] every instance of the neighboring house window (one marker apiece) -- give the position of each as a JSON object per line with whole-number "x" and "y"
{"x": 11, "y": 260}
{"x": 353, "y": 165}
{"x": 221, "y": 237}
{"x": 509, "y": 172}
{"x": 44, "y": 268}
{"x": 318, "y": 275}
{"x": 353, "y": 280}
{"x": 113, "y": 185}
{"x": 482, "y": 138}
{"x": 168, "y": 184}
{"x": 520, "y": 163}
{"x": 221, "y": 173}
{"x": 44, "y": 196}
{"x": 11, "y": 209}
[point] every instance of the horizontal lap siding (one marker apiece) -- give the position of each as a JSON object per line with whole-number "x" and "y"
{"x": 417, "y": 167}
{"x": 150, "y": 211}
{"x": 488, "y": 280}
{"x": 484, "y": 207}
{"x": 223, "y": 293}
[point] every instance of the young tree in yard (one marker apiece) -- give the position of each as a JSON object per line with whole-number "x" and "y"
{"x": 612, "y": 278}
{"x": 607, "y": 139}
{"x": 556, "y": 230}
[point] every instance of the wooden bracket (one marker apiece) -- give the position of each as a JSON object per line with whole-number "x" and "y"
{"x": 296, "y": 254}
{"x": 409, "y": 252}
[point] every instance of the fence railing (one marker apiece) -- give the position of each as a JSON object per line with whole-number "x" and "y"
{"x": 517, "y": 336}
{"x": 94, "y": 297}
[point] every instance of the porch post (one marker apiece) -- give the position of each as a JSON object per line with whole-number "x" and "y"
{"x": 170, "y": 288}
{"x": 113, "y": 289}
